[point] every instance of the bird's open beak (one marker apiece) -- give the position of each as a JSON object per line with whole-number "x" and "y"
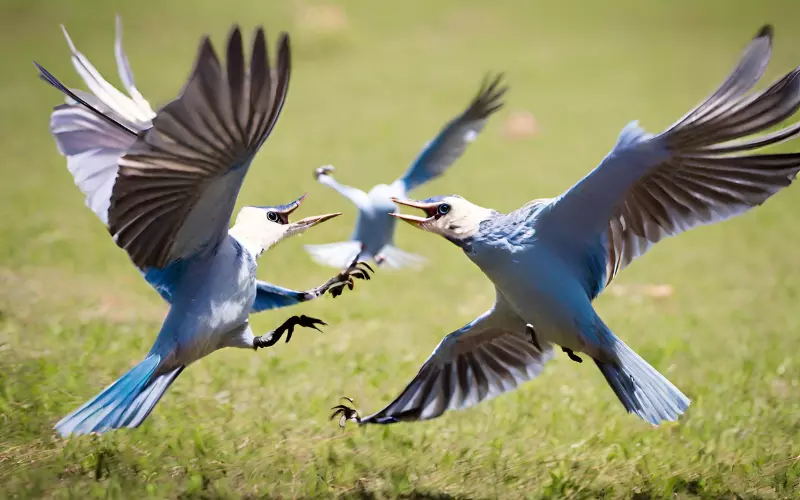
{"x": 300, "y": 226}
{"x": 308, "y": 222}
{"x": 428, "y": 208}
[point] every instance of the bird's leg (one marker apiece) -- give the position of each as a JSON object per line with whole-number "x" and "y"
{"x": 532, "y": 333}
{"x": 379, "y": 259}
{"x": 357, "y": 269}
{"x": 272, "y": 338}
{"x": 574, "y": 357}
{"x": 345, "y": 413}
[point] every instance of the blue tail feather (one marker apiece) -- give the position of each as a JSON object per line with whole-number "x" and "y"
{"x": 640, "y": 388}
{"x": 125, "y": 403}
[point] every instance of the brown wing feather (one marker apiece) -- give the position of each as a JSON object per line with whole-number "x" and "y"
{"x": 199, "y": 141}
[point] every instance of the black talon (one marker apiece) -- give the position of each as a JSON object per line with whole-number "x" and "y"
{"x": 336, "y": 289}
{"x": 346, "y": 278}
{"x": 288, "y": 328}
{"x": 574, "y": 357}
{"x": 346, "y": 413}
{"x": 534, "y": 340}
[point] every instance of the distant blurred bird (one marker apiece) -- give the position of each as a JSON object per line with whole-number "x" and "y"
{"x": 165, "y": 185}
{"x": 374, "y": 232}
{"x": 549, "y": 259}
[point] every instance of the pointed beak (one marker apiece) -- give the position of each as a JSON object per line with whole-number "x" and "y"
{"x": 428, "y": 208}
{"x": 303, "y": 224}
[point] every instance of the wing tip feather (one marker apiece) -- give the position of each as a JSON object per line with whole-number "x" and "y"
{"x": 766, "y": 31}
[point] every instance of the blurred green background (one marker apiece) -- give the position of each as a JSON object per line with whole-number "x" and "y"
{"x": 715, "y": 310}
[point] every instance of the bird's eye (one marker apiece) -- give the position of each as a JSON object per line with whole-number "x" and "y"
{"x": 272, "y": 216}
{"x": 444, "y": 208}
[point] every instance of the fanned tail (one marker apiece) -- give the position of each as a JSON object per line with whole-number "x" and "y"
{"x": 640, "y": 388}
{"x": 125, "y": 403}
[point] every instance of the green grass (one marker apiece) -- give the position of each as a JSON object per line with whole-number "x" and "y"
{"x": 366, "y": 93}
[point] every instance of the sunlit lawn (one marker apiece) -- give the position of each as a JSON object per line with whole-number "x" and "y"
{"x": 716, "y": 310}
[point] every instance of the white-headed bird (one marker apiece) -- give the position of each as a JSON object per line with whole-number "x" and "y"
{"x": 551, "y": 258}
{"x": 374, "y": 233}
{"x": 165, "y": 184}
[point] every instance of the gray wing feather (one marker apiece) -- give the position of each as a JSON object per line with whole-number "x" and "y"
{"x": 452, "y": 140}
{"x": 178, "y": 183}
{"x": 486, "y": 358}
{"x": 126, "y": 74}
{"x": 91, "y": 144}
{"x": 707, "y": 178}
{"x": 694, "y": 173}
{"x": 112, "y": 98}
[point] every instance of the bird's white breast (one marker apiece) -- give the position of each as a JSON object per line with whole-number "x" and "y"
{"x": 215, "y": 298}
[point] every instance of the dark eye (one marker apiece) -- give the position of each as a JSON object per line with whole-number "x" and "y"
{"x": 444, "y": 208}
{"x": 273, "y": 216}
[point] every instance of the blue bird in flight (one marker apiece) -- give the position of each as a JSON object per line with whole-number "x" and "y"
{"x": 549, "y": 259}
{"x": 165, "y": 184}
{"x": 374, "y": 232}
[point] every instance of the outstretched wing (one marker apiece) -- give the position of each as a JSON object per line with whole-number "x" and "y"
{"x": 356, "y": 196}
{"x": 489, "y": 356}
{"x": 696, "y": 172}
{"x": 178, "y": 183}
{"x": 93, "y": 145}
{"x": 453, "y": 139}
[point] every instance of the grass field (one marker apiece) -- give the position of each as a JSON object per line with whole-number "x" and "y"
{"x": 716, "y": 310}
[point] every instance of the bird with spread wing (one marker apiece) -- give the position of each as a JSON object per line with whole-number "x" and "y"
{"x": 550, "y": 259}
{"x": 165, "y": 184}
{"x": 373, "y": 237}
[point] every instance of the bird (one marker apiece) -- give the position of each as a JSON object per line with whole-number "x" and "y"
{"x": 373, "y": 237}
{"x": 549, "y": 259}
{"x": 165, "y": 184}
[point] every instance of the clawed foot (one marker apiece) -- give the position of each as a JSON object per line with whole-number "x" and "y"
{"x": 324, "y": 170}
{"x": 287, "y": 327}
{"x": 345, "y": 413}
{"x": 357, "y": 270}
{"x": 532, "y": 334}
{"x": 574, "y": 357}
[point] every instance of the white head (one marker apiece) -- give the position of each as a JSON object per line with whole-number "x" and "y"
{"x": 450, "y": 216}
{"x": 259, "y": 228}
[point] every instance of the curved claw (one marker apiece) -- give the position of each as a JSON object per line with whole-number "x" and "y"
{"x": 357, "y": 269}
{"x": 345, "y": 413}
{"x": 365, "y": 264}
{"x": 310, "y": 322}
{"x": 336, "y": 290}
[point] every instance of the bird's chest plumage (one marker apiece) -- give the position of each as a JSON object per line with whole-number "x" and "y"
{"x": 233, "y": 282}
{"x": 375, "y": 227}
{"x": 538, "y": 282}
{"x": 215, "y": 300}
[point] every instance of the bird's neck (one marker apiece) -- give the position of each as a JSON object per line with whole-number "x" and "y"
{"x": 253, "y": 239}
